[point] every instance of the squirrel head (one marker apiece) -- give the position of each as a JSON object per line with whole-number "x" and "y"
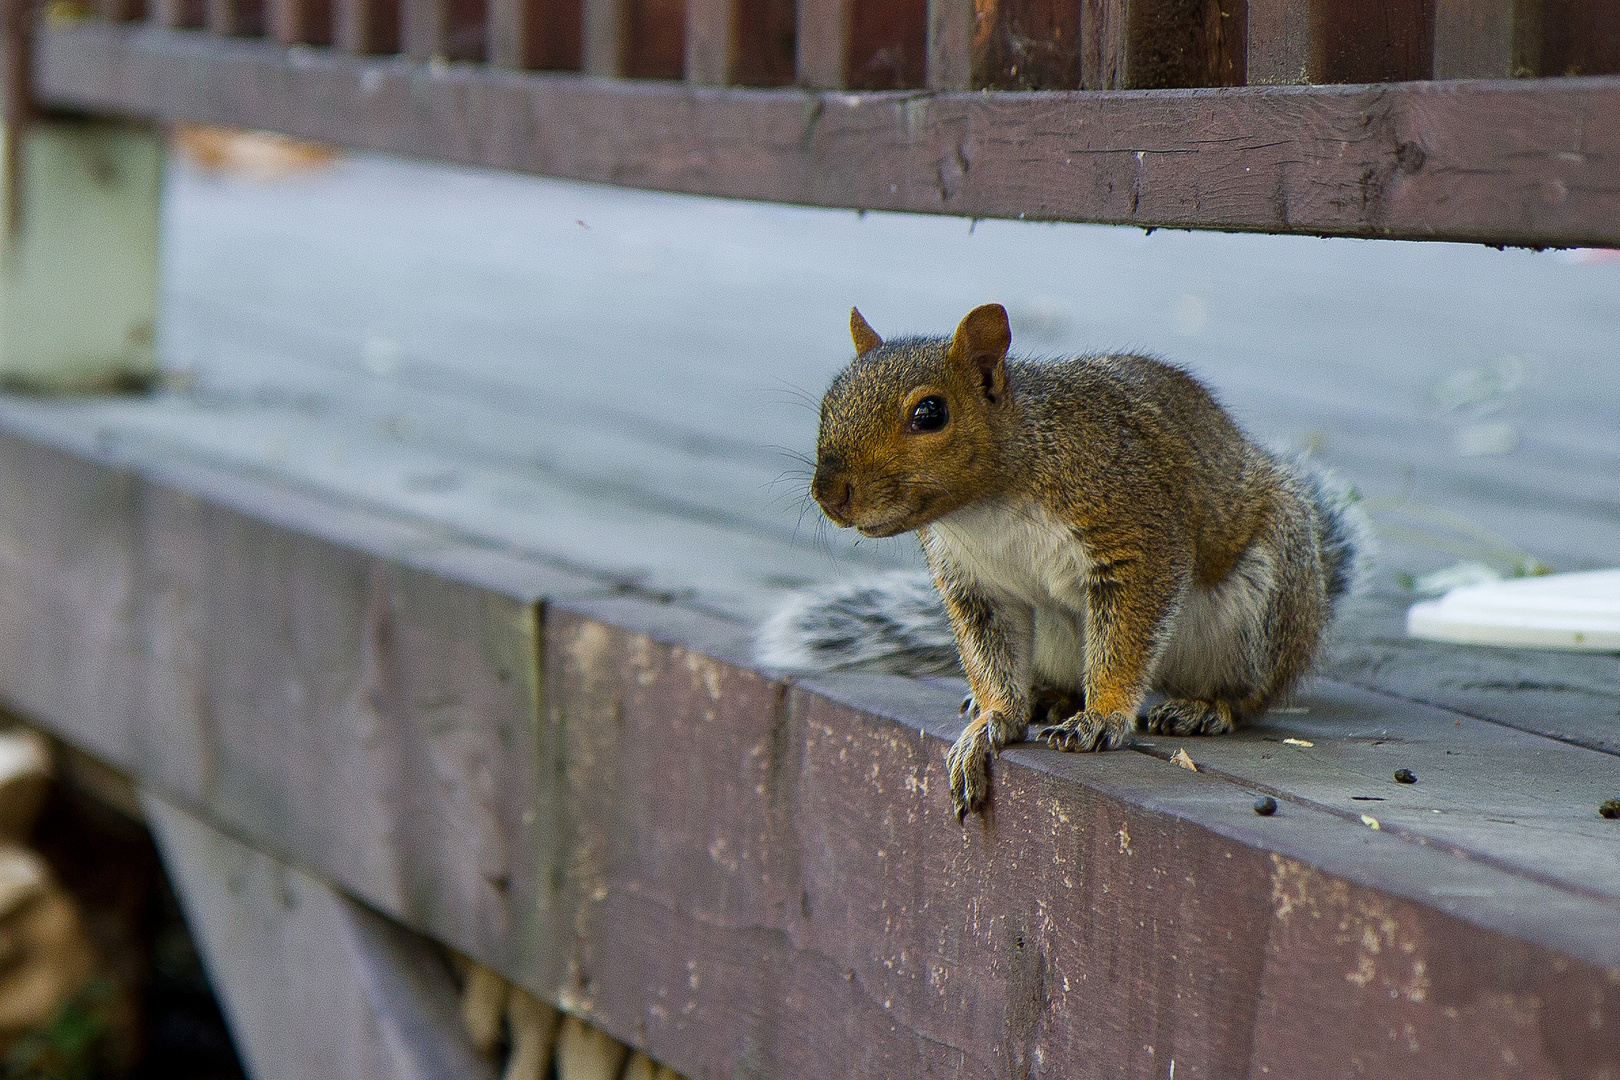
{"x": 909, "y": 430}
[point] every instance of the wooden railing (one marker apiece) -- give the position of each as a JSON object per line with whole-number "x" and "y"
{"x": 1157, "y": 113}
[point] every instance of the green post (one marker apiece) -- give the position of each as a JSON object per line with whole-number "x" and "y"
{"x": 79, "y": 266}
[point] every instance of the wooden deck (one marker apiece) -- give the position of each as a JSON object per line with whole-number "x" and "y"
{"x": 443, "y": 599}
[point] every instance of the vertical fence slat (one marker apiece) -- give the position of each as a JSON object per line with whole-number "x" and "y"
{"x": 442, "y": 29}
{"x": 120, "y": 10}
{"x": 1149, "y": 44}
{"x": 236, "y": 18}
{"x": 655, "y": 39}
{"x": 1026, "y": 45}
{"x": 300, "y": 22}
{"x": 951, "y": 26}
{"x": 604, "y": 30}
{"x": 176, "y": 14}
{"x": 1479, "y": 39}
{"x": 886, "y": 46}
{"x": 366, "y": 27}
{"x": 740, "y": 42}
{"x": 1577, "y": 37}
{"x": 535, "y": 35}
{"x": 1339, "y": 41}
{"x": 823, "y": 44}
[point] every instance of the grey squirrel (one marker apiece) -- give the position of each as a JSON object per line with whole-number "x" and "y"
{"x": 1096, "y": 528}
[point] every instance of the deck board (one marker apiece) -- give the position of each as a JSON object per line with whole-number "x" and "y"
{"x": 459, "y": 625}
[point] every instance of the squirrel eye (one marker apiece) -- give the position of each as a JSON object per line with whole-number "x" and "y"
{"x": 930, "y": 414}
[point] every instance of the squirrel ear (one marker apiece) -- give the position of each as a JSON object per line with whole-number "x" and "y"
{"x": 982, "y": 340}
{"x": 866, "y": 338}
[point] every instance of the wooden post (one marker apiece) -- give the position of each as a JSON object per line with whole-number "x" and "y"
{"x": 300, "y": 22}
{"x": 1339, "y": 41}
{"x": 1151, "y": 44}
{"x": 740, "y": 42}
{"x": 603, "y": 32}
{"x": 120, "y": 10}
{"x": 177, "y": 14}
{"x": 823, "y": 44}
{"x": 236, "y": 18}
{"x": 78, "y": 272}
{"x": 442, "y": 29}
{"x": 655, "y": 39}
{"x": 1497, "y": 39}
{"x": 951, "y": 30}
{"x": 535, "y": 35}
{"x": 366, "y": 27}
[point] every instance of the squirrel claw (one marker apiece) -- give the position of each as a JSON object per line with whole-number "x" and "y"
{"x": 967, "y": 764}
{"x": 967, "y": 704}
{"x": 1087, "y": 731}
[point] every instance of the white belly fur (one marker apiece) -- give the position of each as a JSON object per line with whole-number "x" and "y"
{"x": 1024, "y": 554}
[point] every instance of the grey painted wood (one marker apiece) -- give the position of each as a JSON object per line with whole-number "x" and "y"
{"x": 314, "y": 985}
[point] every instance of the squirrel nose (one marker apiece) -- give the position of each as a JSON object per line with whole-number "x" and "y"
{"x": 833, "y": 493}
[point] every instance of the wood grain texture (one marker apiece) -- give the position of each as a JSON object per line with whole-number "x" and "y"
{"x": 1521, "y": 163}
{"x": 316, "y": 987}
{"x": 1155, "y": 44}
{"x": 1339, "y": 41}
{"x": 599, "y": 800}
{"x": 1026, "y": 45}
{"x": 535, "y": 35}
{"x": 366, "y": 27}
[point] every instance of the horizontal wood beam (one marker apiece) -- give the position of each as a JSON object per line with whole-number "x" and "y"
{"x": 596, "y": 796}
{"x": 1528, "y": 163}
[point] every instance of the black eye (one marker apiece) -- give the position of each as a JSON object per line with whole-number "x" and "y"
{"x": 930, "y": 414}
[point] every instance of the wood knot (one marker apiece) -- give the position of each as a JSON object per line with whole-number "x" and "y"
{"x": 1409, "y": 157}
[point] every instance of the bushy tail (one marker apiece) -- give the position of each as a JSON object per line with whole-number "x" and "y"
{"x": 895, "y": 624}
{"x": 1343, "y": 531}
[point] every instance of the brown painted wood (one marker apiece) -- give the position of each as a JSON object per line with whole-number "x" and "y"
{"x": 655, "y": 39}
{"x": 1154, "y": 44}
{"x": 603, "y": 804}
{"x": 863, "y": 44}
{"x": 1485, "y": 39}
{"x": 1339, "y": 41}
{"x": 300, "y": 22}
{"x": 603, "y": 28}
{"x": 443, "y": 29}
{"x": 1579, "y": 37}
{"x": 177, "y": 14}
{"x": 1460, "y": 161}
{"x": 366, "y": 27}
{"x": 535, "y": 35}
{"x": 1026, "y": 45}
{"x": 740, "y": 42}
{"x": 236, "y": 18}
{"x": 952, "y": 28}
{"x": 120, "y": 10}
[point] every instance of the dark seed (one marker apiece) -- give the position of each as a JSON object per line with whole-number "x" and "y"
{"x": 1609, "y": 808}
{"x": 1405, "y": 776}
{"x": 1265, "y": 806}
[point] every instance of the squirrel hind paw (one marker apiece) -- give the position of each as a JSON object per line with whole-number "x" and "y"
{"x": 1183, "y": 716}
{"x": 1088, "y": 731}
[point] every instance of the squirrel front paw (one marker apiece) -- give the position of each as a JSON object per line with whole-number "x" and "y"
{"x": 1183, "y": 716}
{"x": 967, "y": 763}
{"x": 1088, "y": 730}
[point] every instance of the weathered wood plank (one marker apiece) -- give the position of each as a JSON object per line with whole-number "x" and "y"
{"x": 343, "y": 707}
{"x": 952, "y": 26}
{"x": 315, "y": 985}
{"x": 535, "y": 35}
{"x": 1467, "y": 161}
